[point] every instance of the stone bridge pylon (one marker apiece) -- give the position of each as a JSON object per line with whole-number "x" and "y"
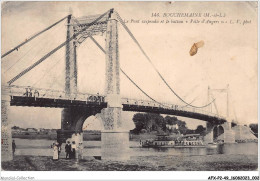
{"x": 213, "y": 131}
{"x": 6, "y": 134}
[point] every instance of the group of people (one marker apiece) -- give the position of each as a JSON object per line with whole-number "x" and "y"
{"x": 29, "y": 93}
{"x": 72, "y": 152}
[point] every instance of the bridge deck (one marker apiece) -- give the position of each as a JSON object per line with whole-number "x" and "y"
{"x": 66, "y": 103}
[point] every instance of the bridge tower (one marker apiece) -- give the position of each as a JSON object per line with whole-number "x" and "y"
{"x": 71, "y": 61}
{"x": 72, "y": 118}
{"x": 6, "y": 133}
{"x": 229, "y": 135}
{"x": 115, "y": 139}
{"x": 67, "y": 114}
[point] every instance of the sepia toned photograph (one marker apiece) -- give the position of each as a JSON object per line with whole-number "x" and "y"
{"x": 129, "y": 86}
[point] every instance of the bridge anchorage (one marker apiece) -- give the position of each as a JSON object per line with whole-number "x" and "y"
{"x": 77, "y": 107}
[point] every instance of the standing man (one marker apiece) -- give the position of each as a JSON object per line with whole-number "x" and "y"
{"x": 68, "y": 149}
{"x": 73, "y": 151}
{"x": 13, "y": 146}
{"x": 36, "y": 93}
{"x": 30, "y": 92}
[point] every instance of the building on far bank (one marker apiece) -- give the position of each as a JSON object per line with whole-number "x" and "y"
{"x": 171, "y": 127}
{"x": 32, "y": 130}
{"x": 17, "y": 130}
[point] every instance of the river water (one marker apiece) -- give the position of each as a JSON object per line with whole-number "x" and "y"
{"x": 42, "y": 147}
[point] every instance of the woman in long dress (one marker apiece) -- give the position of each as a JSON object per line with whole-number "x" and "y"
{"x": 55, "y": 152}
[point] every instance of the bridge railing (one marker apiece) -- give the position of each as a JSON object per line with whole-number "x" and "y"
{"x": 27, "y": 91}
{"x": 166, "y": 106}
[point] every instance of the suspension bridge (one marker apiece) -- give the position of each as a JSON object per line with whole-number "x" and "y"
{"x": 77, "y": 106}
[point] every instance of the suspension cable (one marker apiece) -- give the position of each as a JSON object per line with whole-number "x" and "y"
{"x": 190, "y": 102}
{"x": 34, "y": 36}
{"x": 102, "y": 49}
{"x": 54, "y": 50}
{"x": 35, "y": 45}
{"x": 59, "y": 61}
{"x": 140, "y": 88}
{"x": 137, "y": 43}
{"x": 46, "y": 73}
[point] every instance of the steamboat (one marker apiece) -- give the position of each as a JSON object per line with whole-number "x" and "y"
{"x": 166, "y": 141}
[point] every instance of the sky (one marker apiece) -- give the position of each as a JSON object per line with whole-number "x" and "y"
{"x": 229, "y": 55}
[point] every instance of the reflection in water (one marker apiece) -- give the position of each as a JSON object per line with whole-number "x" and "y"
{"x": 241, "y": 148}
{"x": 220, "y": 149}
{"x": 93, "y": 148}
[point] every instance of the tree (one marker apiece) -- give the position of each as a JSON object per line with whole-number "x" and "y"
{"x": 159, "y": 121}
{"x": 200, "y": 129}
{"x": 139, "y": 120}
{"x": 182, "y": 126}
{"x": 149, "y": 122}
{"x": 171, "y": 120}
{"x": 15, "y": 127}
{"x": 156, "y": 122}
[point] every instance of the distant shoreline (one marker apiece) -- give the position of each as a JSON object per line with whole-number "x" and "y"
{"x": 86, "y": 136}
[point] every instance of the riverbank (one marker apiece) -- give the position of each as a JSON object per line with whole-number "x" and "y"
{"x": 145, "y": 163}
{"x": 87, "y": 136}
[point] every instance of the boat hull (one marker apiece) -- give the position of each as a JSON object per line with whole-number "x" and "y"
{"x": 174, "y": 146}
{"x": 190, "y": 146}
